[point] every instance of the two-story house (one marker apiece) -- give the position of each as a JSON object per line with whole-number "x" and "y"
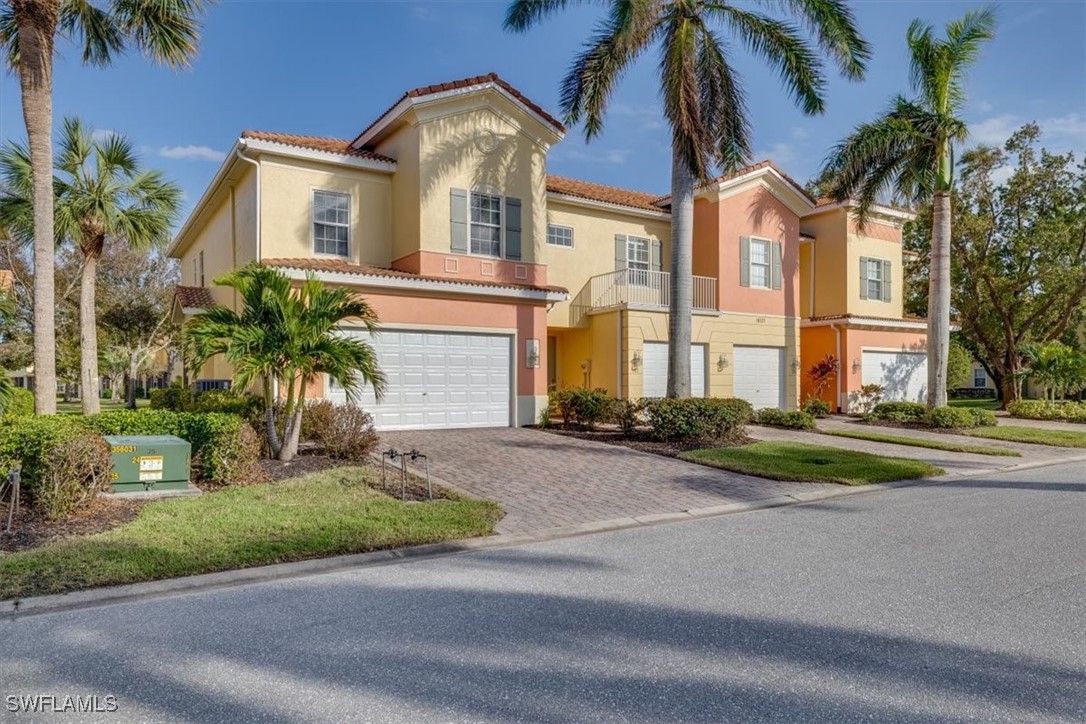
{"x": 494, "y": 281}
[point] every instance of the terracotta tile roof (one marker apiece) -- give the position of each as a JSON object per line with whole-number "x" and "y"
{"x": 341, "y": 146}
{"x": 748, "y": 169}
{"x": 599, "y": 192}
{"x": 345, "y": 267}
{"x": 468, "y": 83}
{"x": 194, "y": 297}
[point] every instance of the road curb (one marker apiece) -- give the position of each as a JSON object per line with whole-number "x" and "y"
{"x": 55, "y": 603}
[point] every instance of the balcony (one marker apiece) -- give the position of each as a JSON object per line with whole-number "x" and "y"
{"x": 637, "y": 288}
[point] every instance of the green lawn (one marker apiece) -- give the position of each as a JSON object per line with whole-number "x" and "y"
{"x": 811, "y": 463}
{"x": 76, "y": 407}
{"x": 922, "y": 442}
{"x": 982, "y": 404}
{"x": 322, "y": 514}
{"x": 1035, "y": 435}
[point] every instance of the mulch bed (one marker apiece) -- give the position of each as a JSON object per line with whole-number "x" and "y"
{"x": 642, "y": 442}
{"x": 301, "y": 465}
{"x": 30, "y": 530}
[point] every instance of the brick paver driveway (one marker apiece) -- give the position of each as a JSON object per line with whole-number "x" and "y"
{"x": 544, "y": 480}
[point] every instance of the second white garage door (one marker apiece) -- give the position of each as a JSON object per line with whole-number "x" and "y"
{"x": 654, "y": 363}
{"x": 439, "y": 380}
{"x": 758, "y": 375}
{"x": 903, "y": 375}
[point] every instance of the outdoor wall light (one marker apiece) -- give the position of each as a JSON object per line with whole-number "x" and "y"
{"x": 721, "y": 363}
{"x": 635, "y": 361}
{"x": 856, "y": 366}
{"x": 531, "y": 353}
{"x": 795, "y": 364}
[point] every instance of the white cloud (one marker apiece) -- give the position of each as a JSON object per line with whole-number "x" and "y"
{"x": 985, "y": 107}
{"x": 615, "y": 156}
{"x": 102, "y": 134}
{"x": 780, "y": 153}
{"x": 994, "y": 131}
{"x": 1067, "y": 131}
{"x": 645, "y": 116}
{"x": 420, "y": 12}
{"x": 799, "y": 133}
{"x": 202, "y": 153}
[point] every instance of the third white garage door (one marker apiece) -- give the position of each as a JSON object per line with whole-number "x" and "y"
{"x": 903, "y": 375}
{"x": 759, "y": 375}
{"x": 439, "y": 380}
{"x": 655, "y": 366}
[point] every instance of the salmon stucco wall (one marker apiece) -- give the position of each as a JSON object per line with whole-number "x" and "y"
{"x": 477, "y": 268}
{"x": 856, "y": 340}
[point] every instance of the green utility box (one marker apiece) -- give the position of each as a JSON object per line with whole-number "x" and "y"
{"x": 149, "y": 462}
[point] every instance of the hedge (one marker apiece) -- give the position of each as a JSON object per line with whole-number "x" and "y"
{"x": 952, "y": 418}
{"x": 583, "y": 408}
{"x": 697, "y": 419}
{"x": 22, "y": 403}
{"x": 795, "y": 419}
{"x": 899, "y": 412}
{"x": 65, "y": 462}
{"x": 1047, "y": 410}
{"x": 225, "y": 449}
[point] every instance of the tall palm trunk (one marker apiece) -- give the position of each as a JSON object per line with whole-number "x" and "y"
{"x": 37, "y": 24}
{"x": 293, "y": 424}
{"x": 682, "y": 280}
{"x": 939, "y": 300}
{"x": 88, "y": 337}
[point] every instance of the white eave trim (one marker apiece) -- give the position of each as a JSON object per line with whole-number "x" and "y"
{"x": 619, "y": 208}
{"x": 872, "y": 322}
{"x": 425, "y": 285}
{"x": 879, "y": 212}
{"x": 209, "y": 192}
{"x": 310, "y": 154}
{"x": 410, "y": 101}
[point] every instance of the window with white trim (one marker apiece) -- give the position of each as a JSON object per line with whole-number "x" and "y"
{"x": 759, "y": 263}
{"x": 874, "y": 279}
{"x": 486, "y": 225}
{"x": 980, "y": 379}
{"x": 560, "y": 235}
{"x": 331, "y": 223}
{"x": 638, "y": 261}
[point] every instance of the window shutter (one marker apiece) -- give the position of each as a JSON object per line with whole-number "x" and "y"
{"x": 657, "y": 255}
{"x": 744, "y": 261}
{"x": 620, "y": 251}
{"x": 512, "y": 228}
{"x": 886, "y": 279}
{"x": 775, "y": 266}
{"x": 863, "y": 277}
{"x": 458, "y": 206}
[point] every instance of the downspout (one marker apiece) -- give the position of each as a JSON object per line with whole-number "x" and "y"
{"x": 840, "y": 363}
{"x": 259, "y": 210}
{"x": 811, "y": 291}
{"x": 621, "y": 362}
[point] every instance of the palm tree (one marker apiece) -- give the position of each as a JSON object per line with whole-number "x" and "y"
{"x": 100, "y": 192}
{"x": 703, "y": 98}
{"x": 287, "y": 336}
{"x": 167, "y": 31}
{"x": 909, "y": 152}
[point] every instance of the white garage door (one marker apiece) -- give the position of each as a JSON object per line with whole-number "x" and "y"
{"x": 654, "y": 364}
{"x": 439, "y": 380}
{"x": 758, "y": 376}
{"x": 903, "y": 375}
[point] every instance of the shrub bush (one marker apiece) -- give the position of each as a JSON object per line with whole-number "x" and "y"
{"x": 628, "y": 414}
{"x": 951, "y": 418}
{"x": 64, "y": 462}
{"x": 899, "y": 412}
{"x": 816, "y": 407}
{"x": 344, "y": 431}
{"x": 1045, "y": 410}
{"x": 247, "y": 405}
{"x": 584, "y": 408}
{"x": 795, "y": 419}
{"x": 176, "y": 397}
{"x": 982, "y": 418}
{"x": 697, "y": 419}
{"x": 225, "y": 449}
{"x": 22, "y": 403}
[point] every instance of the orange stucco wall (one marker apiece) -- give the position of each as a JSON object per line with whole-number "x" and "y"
{"x": 814, "y": 344}
{"x": 476, "y": 268}
{"x": 817, "y": 342}
{"x": 718, "y": 227}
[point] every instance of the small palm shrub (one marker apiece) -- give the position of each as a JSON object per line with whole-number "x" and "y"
{"x": 795, "y": 419}
{"x": 951, "y": 418}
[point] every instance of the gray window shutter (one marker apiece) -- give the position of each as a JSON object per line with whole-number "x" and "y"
{"x": 863, "y": 277}
{"x": 744, "y": 261}
{"x": 775, "y": 265}
{"x": 458, "y": 205}
{"x": 887, "y": 278}
{"x": 657, "y": 255}
{"x": 620, "y": 251}
{"x": 512, "y": 228}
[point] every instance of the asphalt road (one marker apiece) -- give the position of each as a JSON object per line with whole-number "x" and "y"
{"x": 960, "y": 602}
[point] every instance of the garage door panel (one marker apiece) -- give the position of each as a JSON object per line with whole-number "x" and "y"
{"x": 654, "y": 365}
{"x": 758, "y": 375}
{"x": 437, "y": 379}
{"x": 903, "y": 375}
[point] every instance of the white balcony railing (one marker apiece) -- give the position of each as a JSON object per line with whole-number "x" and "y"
{"x": 638, "y": 288}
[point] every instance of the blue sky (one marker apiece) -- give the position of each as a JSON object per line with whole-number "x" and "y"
{"x": 329, "y": 68}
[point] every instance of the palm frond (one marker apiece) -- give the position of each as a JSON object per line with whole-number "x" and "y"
{"x": 9, "y": 36}
{"x": 92, "y": 28}
{"x": 691, "y": 140}
{"x": 167, "y": 31}
{"x": 523, "y": 14}
{"x": 834, "y": 26}
{"x": 723, "y": 105}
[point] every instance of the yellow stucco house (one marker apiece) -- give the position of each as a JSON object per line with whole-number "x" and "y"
{"x": 495, "y": 281}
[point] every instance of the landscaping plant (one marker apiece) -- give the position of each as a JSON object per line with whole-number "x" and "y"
{"x": 794, "y": 419}
{"x": 1044, "y": 410}
{"x": 951, "y": 418}
{"x": 697, "y": 419}
{"x": 289, "y": 335}
{"x": 344, "y": 432}
{"x": 868, "y": 397}
{"x": 816, "y": 407}
{"x": 821, "y": 374}
{"x": 899, "y": 412}
{"x": 628, "y": 415}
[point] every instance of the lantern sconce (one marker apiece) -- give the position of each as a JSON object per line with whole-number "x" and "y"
{"x": 721, "y": 363}
{"x": 635, "y": 361}
{"x": 856, "y": 366}
{"x": 795, "y": 364}
{"x": 531, "y": 353}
